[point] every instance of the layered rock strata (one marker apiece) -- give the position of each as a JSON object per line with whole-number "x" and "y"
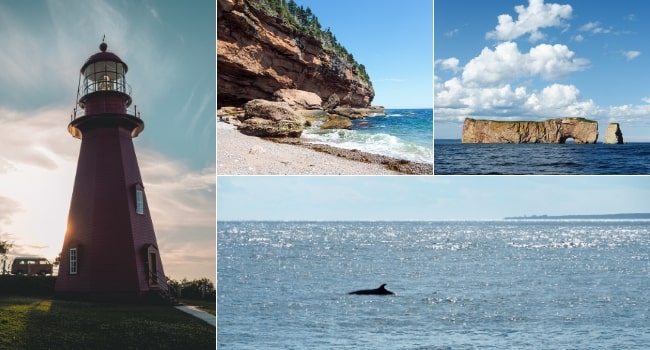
{"x": 258, "y": 55}
{"x": 548, "y": 131}
{"x": 613, "y": 134}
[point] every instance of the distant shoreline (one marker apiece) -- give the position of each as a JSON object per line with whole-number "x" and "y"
{"x": 627, "y": 216}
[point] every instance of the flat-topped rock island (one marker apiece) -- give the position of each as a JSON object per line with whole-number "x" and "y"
{"x": 557, "y": 130}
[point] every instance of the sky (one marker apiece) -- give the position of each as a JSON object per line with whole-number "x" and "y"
{"x": 537, "y": 59}
{"x": 350, "y": 198}
{"x": 394, "y": 43}
{"x": 169, "y": 48}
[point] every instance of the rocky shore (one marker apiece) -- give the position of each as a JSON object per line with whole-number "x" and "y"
{"x": 240, "y": 154}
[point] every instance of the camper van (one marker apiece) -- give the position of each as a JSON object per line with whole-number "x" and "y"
{"x": 31, "y": 266}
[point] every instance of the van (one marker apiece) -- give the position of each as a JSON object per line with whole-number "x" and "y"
{"x": 31, "y": 266}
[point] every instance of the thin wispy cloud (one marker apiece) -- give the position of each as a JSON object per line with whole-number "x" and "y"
{"x": 630, "y": 55}
{"x": 594, "y": 28}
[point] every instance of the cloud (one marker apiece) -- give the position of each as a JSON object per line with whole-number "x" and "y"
{"x": 449, "y": 63}
{"x": 506, "y": 63}
{"x": 182, "y": 203}
{"x": 8, "y": 207}
{"x": 452, "y": 33}
{"x": 630, "y": 55}
{"x": 454, "y": 101}
{"x": 530, "y": 20}
{"x": 595, "y": 28}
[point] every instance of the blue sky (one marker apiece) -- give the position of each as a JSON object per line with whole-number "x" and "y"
{"x": 170, "y": 50}
{"x": 393, "y": 41}
{"x": 427, "y": 198}
{"x": 537, "y": 59}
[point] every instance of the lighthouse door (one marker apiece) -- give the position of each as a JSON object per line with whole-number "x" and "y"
{"x": 152, "y": 263}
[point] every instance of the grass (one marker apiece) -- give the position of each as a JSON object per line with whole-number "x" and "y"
{"x": 43, "y": 323}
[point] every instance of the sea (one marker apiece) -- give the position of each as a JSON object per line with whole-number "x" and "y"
{"x": 401, "y": 133}
{"x": 458, "y": 285}
{"x": 455, "y": 158}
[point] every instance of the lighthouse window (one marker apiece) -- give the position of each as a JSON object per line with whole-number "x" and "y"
{"x": 139, "y": 201}
{"x": 73, "y": 261}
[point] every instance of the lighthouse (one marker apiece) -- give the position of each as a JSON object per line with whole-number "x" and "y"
{"x": 109, "y": 250}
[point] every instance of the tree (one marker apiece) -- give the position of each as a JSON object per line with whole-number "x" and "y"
{"x": 201, "y": 288}
{"x": 4, "y": 249}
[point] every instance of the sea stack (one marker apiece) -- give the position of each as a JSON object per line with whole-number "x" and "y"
{"x": 613, "y": 135}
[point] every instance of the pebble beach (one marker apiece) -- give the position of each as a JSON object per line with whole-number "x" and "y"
{"x": 239, "y": 154}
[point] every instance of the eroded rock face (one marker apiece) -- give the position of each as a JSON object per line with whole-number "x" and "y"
{"x": 548, "y": 131}
{"x": 613, "y": 134}
{"x": 256, "y": 56}
{"x": 271, "y": 119}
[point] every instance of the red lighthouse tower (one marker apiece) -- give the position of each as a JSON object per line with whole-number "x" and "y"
{"x": 110, "y": 250}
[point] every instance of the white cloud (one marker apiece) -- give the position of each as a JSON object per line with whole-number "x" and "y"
{"x": 630, "y": 55}
{"x": 506, "y": 63}
{"x": 530, "y": 20}
{"x": 595, "y": 28}
{"x": 553, "y": 97}
{"x": 448, "y": 64}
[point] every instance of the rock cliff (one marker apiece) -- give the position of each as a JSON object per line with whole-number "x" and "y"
{"x": 548, "y": 131}
{"x": 613, "y": 134}
{"x": 257, "y": 54}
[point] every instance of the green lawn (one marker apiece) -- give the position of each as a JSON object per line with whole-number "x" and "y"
{"x": 43, "y": 323}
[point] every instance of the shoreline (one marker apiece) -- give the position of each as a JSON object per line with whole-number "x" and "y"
{"x": 240, "y": 154}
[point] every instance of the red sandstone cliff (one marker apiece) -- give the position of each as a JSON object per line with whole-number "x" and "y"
{"x": 257, "y": 55}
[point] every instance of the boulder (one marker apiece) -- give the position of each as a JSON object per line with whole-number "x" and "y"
{"x": 298, "y": 99}
{"x": 613, "y": 135}
{"x": 271, "y": 119}
{"x": 337, "y": 122}
{"x": 548, "y": 131}
{"x": 332, "y": 102}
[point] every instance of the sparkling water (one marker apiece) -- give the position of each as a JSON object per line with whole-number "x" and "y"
{"x": 457, "y": 285}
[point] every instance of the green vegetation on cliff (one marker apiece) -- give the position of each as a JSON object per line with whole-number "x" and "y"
{"x": 305, "y": 22}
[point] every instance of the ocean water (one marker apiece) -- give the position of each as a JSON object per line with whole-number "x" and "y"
{"x": 401, "y": 133}
{"x": 454, "y": 157}
{"x": 457, "y": 285}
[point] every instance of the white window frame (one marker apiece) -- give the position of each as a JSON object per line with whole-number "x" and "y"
{"x": 74, "y": 261}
